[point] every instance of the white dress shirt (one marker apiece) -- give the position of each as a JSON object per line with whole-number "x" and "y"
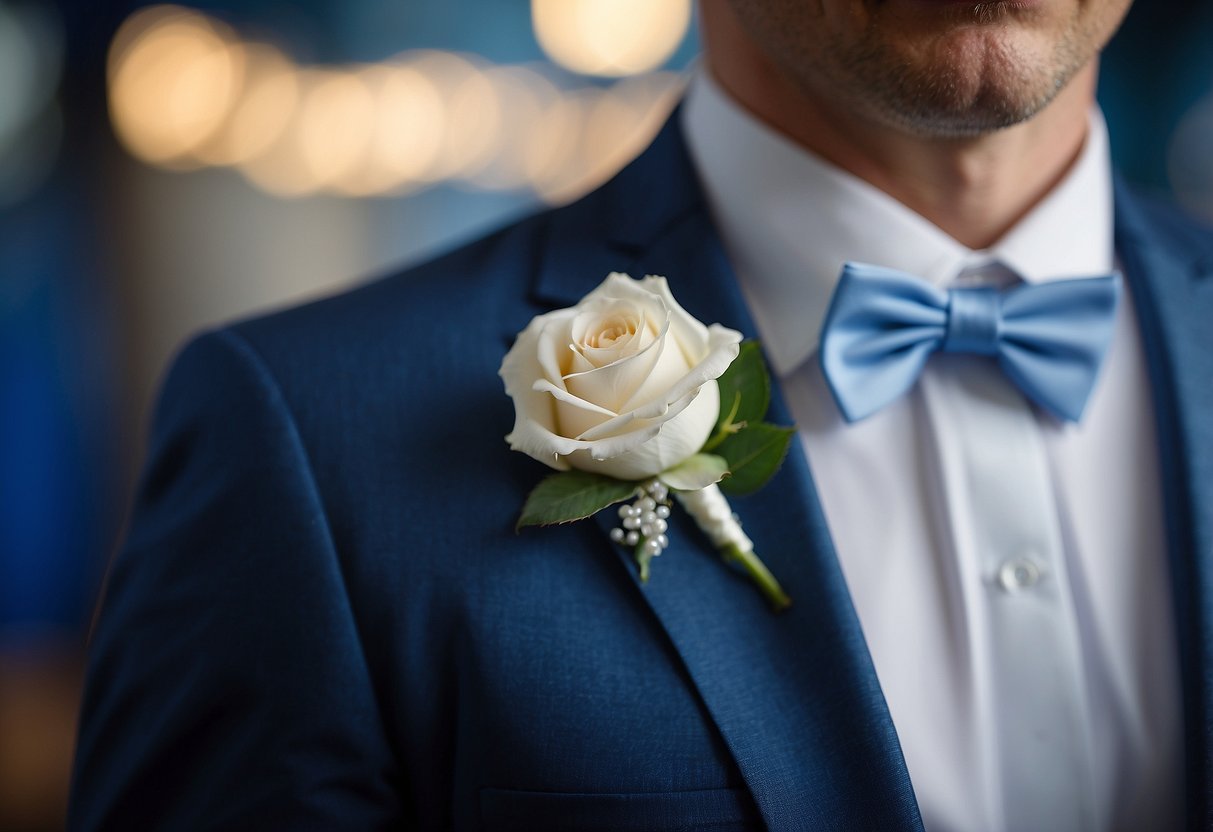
{"x": 900, "y": 522}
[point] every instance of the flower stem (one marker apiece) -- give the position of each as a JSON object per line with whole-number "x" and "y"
{"x": 758, "y": 573}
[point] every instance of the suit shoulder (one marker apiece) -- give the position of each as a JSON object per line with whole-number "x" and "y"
{"x": 1169, "y": 224}
{"x": 490, "y": 274}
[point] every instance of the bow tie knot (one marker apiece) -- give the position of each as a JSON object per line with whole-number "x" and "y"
{"x": 883, "y": 325}
{"x": 974, "y": 321}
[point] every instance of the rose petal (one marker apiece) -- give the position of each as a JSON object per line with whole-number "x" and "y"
{"x": 619, "y": 286}
{"x": 657, "y": 412}
{"x": 674, "y": 441}
{"x": 552, "y": 334}
{"x": 687, "y": 330}
{"x": 614, "y": 384}
{"x": 519, "y": 369}
{"x": 579, "y": 363}
{"x": 634, "y": 329}
{"x": 534, "y": 411}
{"x": 671, "y": 365}
{"x": 573, "y": 415}
{"x": 667, "y": 414}
{"x": 722, "y": 348}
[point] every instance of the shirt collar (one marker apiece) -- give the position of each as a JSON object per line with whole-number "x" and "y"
{"x": 789, "y": 220}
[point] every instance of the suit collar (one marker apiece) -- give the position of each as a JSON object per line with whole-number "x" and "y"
{"x": 1169, "y": 269}
{"x": 602, "y": 232}
{"x": 794, "y": 695}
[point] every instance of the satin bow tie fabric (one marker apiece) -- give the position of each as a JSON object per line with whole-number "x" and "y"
{"x": 883, "y": 325}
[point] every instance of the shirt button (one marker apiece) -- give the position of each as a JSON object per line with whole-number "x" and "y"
{"x": 1018, "y": 574}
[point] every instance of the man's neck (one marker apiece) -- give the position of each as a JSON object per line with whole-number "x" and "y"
{"x": 974, "y": 188}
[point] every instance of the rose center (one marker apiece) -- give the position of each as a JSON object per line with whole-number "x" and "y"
{"x": 613, "y": 329}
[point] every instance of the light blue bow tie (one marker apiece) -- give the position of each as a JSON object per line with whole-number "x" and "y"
{"x": 1049, "y": 338}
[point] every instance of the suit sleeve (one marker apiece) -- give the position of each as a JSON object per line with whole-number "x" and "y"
{"x": 227, "y": 686}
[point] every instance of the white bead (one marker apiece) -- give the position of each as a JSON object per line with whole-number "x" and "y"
{"x": 647, "y": 503}
{"x": 632, "y": 538}
{"x": 663, "y": 541}
{"x": 663, "y": 511}
{"x": 661, "y": 526}
{"x": 648, "y": 530}
{"x": 652, "y": 547}
{"x": 631, "y": 522}
{"x": 625, "y": 511}
{"x": 648, "y": 517}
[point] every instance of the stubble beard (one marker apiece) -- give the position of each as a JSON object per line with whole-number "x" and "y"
{"x": 949, "y": 99}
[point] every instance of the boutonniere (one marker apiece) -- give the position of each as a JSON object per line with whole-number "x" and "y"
{"x": 634, "y": 401}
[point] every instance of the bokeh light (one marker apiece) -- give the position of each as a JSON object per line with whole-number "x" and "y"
{"x": 473, "y": 113}
{"x": 524, "y": 96}
{"x": 1190, "y": 160}
{"x": 335, "y": 124}
{"x": 610, "y": 38}
{"x": 31, "y": 122}
{"x": 265, "y": 104}
{"x": 187, "y": 92}
{"x": 29, "y": 67}
{"x": 173, "y": 77}
{"x": 406, "y": 135}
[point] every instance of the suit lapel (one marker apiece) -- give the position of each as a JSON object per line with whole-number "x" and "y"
{"x": 1170, "y": 273}
{"x": 794, "y": 695}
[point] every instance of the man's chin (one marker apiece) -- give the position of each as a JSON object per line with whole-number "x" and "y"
{"x": 944, "y": 122}
{"x": 964, "y": 84}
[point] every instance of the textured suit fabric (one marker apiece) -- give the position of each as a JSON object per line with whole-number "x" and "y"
{"x": 323, "y": 618}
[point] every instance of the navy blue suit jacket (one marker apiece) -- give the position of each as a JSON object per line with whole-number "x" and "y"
{"x": 322, "y": 617}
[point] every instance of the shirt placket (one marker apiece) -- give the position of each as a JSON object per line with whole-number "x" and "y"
{"x": 1001, "y": 516}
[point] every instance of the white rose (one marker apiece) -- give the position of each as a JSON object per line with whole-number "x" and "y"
{"x": 623, "y": 384}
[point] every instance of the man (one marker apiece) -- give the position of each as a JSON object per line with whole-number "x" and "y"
{"x": 321, "y": 617}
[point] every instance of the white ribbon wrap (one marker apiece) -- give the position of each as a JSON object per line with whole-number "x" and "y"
{"x": 711, "y": 511}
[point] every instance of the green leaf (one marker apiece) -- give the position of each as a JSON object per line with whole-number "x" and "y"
{"x": 754, "y": 455}
{"x": 696, "y": 472}
{"x": 572, "y": 495}
{"x": 747, "y": 378}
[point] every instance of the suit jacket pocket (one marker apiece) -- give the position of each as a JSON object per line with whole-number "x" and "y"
{"x": 717, "y": 810}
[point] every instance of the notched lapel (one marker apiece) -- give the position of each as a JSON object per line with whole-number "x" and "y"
{"x": 794, "y": 694}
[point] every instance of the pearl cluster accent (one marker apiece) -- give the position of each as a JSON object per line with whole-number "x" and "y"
{"x": 643, "y": 523}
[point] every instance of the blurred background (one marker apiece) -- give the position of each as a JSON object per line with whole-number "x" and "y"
{"x": 166, "y": 167}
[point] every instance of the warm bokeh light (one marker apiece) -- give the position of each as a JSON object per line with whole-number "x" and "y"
{"x": 406, "y": 136}
{"x": 287, "y": 167}
{"x": 282, "y": 171}
{"x": 610, "y": 38}
{"x": 524, "y": 96}
{"x": 335, "y": 125}
{"x": 173, "y": 77}
{"x": 553, "y": 160}
{"x": 618, "y": 124}
{"x": 473, "y": 113}
{"x": 185, "y": 92}
{"x": 265, "y": 104}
